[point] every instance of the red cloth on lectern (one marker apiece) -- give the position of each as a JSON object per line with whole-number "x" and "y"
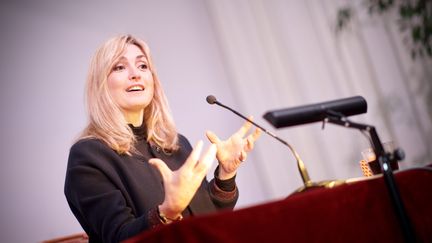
{"x": 356, "y": 212}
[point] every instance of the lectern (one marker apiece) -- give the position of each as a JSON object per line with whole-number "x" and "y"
{"x": 358, "y": 211}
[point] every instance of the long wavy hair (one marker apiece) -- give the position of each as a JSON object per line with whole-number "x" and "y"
{"x": 106, "y": 120}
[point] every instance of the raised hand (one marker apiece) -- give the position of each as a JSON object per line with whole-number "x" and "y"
{"x": 233, "y": 151}
{"x": 181, "y": 185}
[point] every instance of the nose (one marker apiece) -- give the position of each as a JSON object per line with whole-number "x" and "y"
{"x": 134, "y": 74}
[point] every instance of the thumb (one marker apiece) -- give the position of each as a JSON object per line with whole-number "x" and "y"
{"x": 212, "y": 137}
{"x": 162, "y": 167}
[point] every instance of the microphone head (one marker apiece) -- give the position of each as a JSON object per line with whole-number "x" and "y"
{"x": 211, "y": 99}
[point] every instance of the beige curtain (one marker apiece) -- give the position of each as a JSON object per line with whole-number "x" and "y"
{"x": 281, "y": 54}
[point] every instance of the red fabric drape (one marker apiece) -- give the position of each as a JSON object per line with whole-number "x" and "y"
{"x": 355, "y": 212}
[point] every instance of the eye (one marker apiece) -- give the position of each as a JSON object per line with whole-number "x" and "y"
{"x": 143, "y": 66}
{"x": 118, "y": 67}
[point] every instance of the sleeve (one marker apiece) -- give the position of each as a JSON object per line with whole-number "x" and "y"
{"x": 224, "y": 193}
{"x": 95, "y": 199}
{"x": 225, "y": 185}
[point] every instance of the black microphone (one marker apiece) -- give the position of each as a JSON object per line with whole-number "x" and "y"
{"x": 316, "y": 112}
{"x": 302, "y": 168}
{"x": 212, "y": 100}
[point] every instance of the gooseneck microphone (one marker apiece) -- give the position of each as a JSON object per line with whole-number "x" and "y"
{"x": 302, "y": 168}
{"x": 212, "y": 100}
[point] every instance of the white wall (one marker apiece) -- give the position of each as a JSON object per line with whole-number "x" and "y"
{"x": 46, "y": 47}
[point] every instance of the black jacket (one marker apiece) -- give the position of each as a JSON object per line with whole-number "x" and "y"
{"x": 113, "y": 195}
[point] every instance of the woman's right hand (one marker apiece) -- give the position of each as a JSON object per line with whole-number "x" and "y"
{"x": 181, "y": 185}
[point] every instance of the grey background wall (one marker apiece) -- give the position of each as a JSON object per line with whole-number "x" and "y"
{"x": 253, "y": 55}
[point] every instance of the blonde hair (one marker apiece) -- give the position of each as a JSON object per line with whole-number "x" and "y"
{"x": 106, "y": 120}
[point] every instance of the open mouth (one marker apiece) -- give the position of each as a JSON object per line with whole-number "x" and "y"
{"x": 135, "y": 88}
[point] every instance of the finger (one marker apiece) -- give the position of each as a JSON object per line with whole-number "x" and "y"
{"x": 249, "y": 144}
{"x": 250, "y": 141}
{"x": 207, "y": 160}
{"x": 212, "y": 137}
{"x": 256, "y": 134}
{"x": 245, "y": 128}
{"x": 162, "y": 167}
{"x": 243, "y": 156}
{"x": 194, "y": 155}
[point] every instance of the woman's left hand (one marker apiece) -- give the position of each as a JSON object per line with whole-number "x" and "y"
{"x": 233, "y": 151}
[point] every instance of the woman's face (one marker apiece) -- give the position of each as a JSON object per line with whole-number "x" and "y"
{"x": 130, "y": 82}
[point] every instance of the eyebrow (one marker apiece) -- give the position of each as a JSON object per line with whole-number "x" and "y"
{"x": 142, "y": 58}
{"x": 137, "y": 57}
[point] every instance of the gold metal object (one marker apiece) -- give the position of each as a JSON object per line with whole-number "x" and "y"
{"x": 307, "y": 183}
{"x": 165, "y": 220}
{"x": 325, "y": 184}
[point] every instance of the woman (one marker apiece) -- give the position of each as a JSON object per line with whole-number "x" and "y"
{"x": 130, "y": 170}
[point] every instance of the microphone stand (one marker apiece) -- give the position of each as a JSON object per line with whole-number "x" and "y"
{"x": 384, "y": 160}
{"x": 307, "y": 183}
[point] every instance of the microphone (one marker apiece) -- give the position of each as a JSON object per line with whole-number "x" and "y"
{"x": 302, "y": 168}
{"x": 316, "y": 112}
{"x": 212, "y": 100}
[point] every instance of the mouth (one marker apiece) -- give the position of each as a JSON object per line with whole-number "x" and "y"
{"x": 135, "y": 88}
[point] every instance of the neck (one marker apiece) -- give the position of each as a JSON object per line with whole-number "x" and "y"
{"x": 134, "y": 118}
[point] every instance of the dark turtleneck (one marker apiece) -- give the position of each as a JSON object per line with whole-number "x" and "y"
{"x": 139, "y": 132}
